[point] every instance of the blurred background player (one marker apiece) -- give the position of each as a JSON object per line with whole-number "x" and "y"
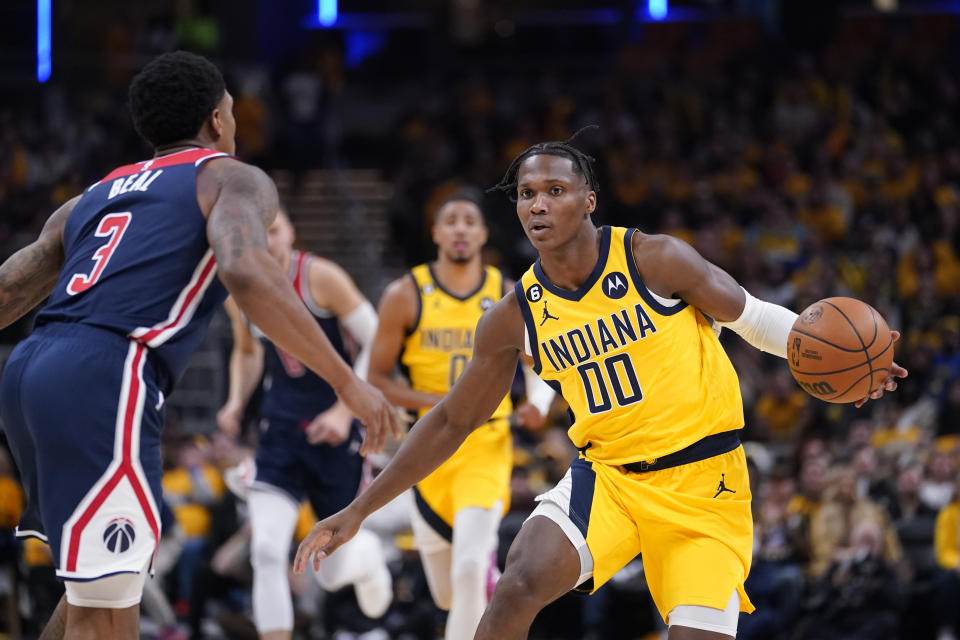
{"x": 308, "y": 440}
{"x": 135, "y": 267}
{"x": 427, "y": 321}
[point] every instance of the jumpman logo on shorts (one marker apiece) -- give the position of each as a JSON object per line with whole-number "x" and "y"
{"x": 546, "y": 314}
{"x": 722, "y": 487}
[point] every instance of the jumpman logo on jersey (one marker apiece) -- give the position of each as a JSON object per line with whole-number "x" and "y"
{"x": 722, "y": 487}
{"x": 546, "y": 314}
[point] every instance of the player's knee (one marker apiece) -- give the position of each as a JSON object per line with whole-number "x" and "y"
{"x": 267, "y": 554}
{"x": 521, "y": 586}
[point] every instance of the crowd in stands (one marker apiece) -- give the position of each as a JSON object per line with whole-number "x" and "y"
{"x": 804, "y": 174}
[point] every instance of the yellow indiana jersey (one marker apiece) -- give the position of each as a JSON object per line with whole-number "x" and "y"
{"x": 643, "y": 377}
{"x": 441, "y": 342}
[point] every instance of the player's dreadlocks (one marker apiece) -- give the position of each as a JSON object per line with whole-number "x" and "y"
{"x": 582, "y": 163}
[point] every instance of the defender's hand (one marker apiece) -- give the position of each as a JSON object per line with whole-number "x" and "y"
{"x": 529, "y": 416}
{"x": 890, "y": 382}
{"x": 373, "y": 410}
{"x": 330, "y": 427}
{"x": 229, "y": 417}
{"x": 325, "y": 537}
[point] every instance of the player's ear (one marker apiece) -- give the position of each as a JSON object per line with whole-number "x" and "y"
{"x": 591, "y": 201}
{"x": 216, "y": 122}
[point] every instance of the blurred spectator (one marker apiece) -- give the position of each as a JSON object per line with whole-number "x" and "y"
{"x": 191, "y": 488}
{"x": 775, "y": 583}
{"x": 12, "y": 502}
{"x": 805, "y": 504}
{"x": 937, "y": 489}
{"x": 873, "y": 480}
{"x": 859, "y": 594}
{"x": 782, "y": 410}
{"x": 833, "y": 526}
{"x": 947, "y": 545}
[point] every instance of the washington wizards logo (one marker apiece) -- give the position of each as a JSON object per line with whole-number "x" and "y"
{"x": 486, "y": 303}
{"x": 118, "y": 535}
{"x": 615, "y": 285}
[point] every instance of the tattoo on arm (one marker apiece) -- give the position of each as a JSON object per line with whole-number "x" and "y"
{"x": 28, "y": 276}
{"x": 247, "y": 203}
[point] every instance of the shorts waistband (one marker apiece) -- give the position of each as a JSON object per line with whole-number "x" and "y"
{"x": 708, "y": 447}
{"x": 108, "y": 338}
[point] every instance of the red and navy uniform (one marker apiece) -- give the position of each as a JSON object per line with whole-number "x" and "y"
{"x": 82, "y": 397}
{"x": 293, "y": 396}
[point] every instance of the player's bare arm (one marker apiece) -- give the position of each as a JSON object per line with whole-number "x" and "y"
{"x": 332, "y": 288}
{"x": 245, "y": 201}
{"x": 398, "y": 314}
{"x": 472, "y": 400}
{"x": 28, "y": 276}
{"x": 246, "y": 367}
{"x": 672, "y": 268}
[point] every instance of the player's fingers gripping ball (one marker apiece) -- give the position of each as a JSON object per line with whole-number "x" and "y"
{"x": 840, "y": 350}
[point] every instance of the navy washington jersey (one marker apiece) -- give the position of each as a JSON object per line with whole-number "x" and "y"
{"x": 291, "y": 390}
{"x": 137, "y": 261}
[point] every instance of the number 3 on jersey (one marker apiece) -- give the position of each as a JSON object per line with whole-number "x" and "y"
{"x": 111, "y": 226}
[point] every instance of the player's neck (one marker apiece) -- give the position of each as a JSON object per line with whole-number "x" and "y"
{"x": 569, "y": 265}
{"x": 459, "y": 278}
{"x": 176, "y": 147}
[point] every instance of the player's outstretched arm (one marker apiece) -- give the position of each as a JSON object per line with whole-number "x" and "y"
{"x": 332, "y": 288}
{"x": 246, "y": 367}
{"x": 672, "y": 268}
{"x": 28, "y": 276}
{"x": 471, "y": 401}
{"x": 398, "y": 312}
{"x": 243, "y": 203}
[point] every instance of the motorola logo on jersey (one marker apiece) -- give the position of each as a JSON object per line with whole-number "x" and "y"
{"x": 428, "y": 288}
{"x": 119, "y": 535}
{"x": 615, "y": 285}
{"x": 486, "y": 303}
{"x": 534, "y": 292}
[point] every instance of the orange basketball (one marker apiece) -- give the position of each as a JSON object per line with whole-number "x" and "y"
{"x": 840, "y": 349}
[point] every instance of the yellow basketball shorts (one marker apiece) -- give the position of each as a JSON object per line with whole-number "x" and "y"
{"x": 692, "y": 524}
{"x": 476, "y": 475}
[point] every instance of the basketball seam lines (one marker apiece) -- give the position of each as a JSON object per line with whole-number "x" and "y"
{"x": 866, "y": 353}
{"x": 855, "y": 383}
{"x": 830, "y": 373}
{"x": 826, "y": 342}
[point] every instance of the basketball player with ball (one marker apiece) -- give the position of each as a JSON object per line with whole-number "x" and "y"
{"x": 621, "y": 323}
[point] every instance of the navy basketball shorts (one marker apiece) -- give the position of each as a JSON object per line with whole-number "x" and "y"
{"x": 329, "y": 476}
{"x": 83, "y": 415}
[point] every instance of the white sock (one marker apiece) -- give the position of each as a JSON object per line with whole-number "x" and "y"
{"x": 360, "y": 562}
{"x": 272, "y": 519}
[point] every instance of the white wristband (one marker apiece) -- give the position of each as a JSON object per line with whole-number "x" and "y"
{"x": 362, "y": 325}
{"x": 539, "y": 393}
{"x": 764, "y": 325}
